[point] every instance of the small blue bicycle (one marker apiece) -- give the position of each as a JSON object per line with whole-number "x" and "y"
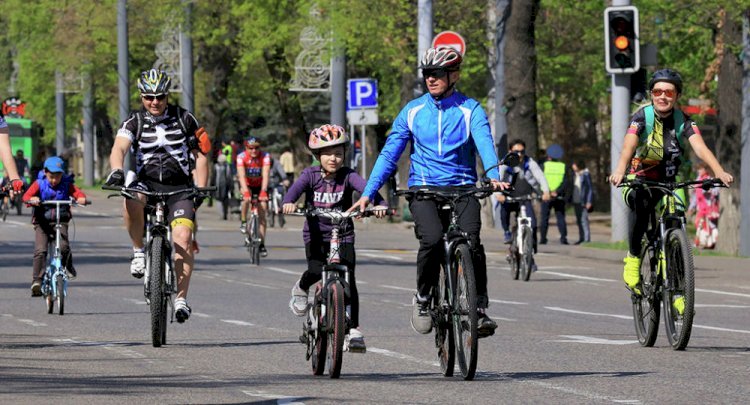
{"x": 55, "y": 279}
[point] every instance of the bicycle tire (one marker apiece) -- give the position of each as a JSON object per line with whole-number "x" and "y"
{"x": 5, "y": 209}
{"x": 156, "y": 290}
{"x": 336, "y": 329}
{"x": 255, "y": 240}
{"x": 318, "y": 358}
{"x": 527, "y": 256}
{"x": 19, "y": 204}
{"x": 465, "y": 317}
{"x": 681, "y": 282}
{"x": 60, "y": 293}
{"x": 647, "y": 306}
{"x": 513, "y": 259}
{"x": 444, "y": 340}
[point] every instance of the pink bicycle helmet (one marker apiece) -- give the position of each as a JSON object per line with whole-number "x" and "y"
{"x": 325, "y": 136}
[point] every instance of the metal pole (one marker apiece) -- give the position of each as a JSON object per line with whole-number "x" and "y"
{"x": 364, "y": 152}
{"x": 620, "y": 117}
{"x": 745, "y": 154}
{"x": 338, "y": 88}
{"x": 88, "y": 131}
{"x": 59, "y": 116}
{"x": 424, "y": 37}
{"x": 186, "y": 55}
{"x": 123, "y": 71}
{"x": 353, "y": 152}
{"x": 502, "y": 10}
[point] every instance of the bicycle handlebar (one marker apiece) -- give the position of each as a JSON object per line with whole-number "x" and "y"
{"x": 671, "y": 185}
{"x": 523, "y": 198}
{"x": 316, "y": 212}
{"x": 127, "y": 192}
{"x": 70, "y": 202}
{"x": 452, "y": 195}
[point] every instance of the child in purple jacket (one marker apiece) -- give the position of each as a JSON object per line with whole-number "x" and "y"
{"x": 328, "y": 186}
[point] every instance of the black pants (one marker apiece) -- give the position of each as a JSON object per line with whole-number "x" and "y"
{"x": 559, "y": 206}
{"x": 317, "y": 257}
{"x": 507, "y": 208}
{"x": 44, "y": 234}
{"x": 642, "y": 204}
{"x": 429, "y": 225}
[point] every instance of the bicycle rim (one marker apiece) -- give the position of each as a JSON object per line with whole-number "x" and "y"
{"x": 255, "y": 241}
{"x": 646, "y": 307}
{"x": 321, "y": 337}
{"x": 444, "y": 340}
{"x": 336, "y": 329}
{"x": 528, "y": 255}
{"x": 156, "y": 290}
{"x": 513, "y": 257}
{"x": 60, "y": 292}
{"x": 681, "y": 286}
{"x": 465, "y": 312}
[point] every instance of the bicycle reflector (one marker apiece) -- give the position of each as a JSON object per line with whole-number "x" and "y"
{"x": 621, "y": 39}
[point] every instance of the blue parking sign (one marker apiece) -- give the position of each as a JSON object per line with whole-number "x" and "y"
{"x": 362, "y": 93}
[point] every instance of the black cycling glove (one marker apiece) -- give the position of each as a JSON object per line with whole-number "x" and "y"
{"x": 116, "y": 178}
{"x": 197, "y": 202}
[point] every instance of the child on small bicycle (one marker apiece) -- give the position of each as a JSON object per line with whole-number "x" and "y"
{"x": 51, "y": 184}
{"x": 328, "y": 186}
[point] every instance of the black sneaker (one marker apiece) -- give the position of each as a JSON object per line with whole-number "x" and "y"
{"x": 72, "y": 273}
{"x": 485, "y": 325}
{"x": 263, "y": 251}
{"x": 36, "y": 288}
{"x": 181, "y": 310}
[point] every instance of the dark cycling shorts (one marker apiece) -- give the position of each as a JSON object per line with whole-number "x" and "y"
{"x": 180, "y": 207}
{"x": 254, "y": 192}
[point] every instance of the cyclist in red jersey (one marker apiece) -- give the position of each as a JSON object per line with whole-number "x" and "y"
{"x": 253, "y": 168}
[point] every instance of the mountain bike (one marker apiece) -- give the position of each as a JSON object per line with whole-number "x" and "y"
{"x": 274, "y": 206}
{"x": 252, "y": 232}
{"x": 454, "y": 300}
{"x": 55, "y": 277}
{"x": 521, "y": 250}
{"x": 160, "y": 281}
{"x": 667, "y": 271}
{"x": 327, "y": 322}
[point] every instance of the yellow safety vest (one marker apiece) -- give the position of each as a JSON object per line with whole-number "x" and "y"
{"x": 555, "y": 174}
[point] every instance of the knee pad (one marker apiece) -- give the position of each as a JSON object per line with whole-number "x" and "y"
{"x": 184, "y": 222}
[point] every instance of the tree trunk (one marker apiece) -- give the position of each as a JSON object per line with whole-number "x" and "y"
{"x": 728, "y": 141}
{"x": 520, "y": 74}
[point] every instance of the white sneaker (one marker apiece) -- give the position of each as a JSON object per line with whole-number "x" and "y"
{"x": 355, "y": 341}
{"x": 138, "y": 264}
{"x": 298, "y": 303}
{"x": 181, "y": 310}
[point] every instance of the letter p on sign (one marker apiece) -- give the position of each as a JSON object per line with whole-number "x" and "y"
{"x": 363, "y": 93}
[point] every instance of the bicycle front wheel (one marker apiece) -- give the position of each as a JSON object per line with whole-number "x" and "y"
{"x": 60, "y": 293}
{"x": 157, "y": 299}
{"x": 444, "y": 340}
{"x": 679, "y": 290}
{"x": 318, "y": 357}
{"x": 514, "y": 258}
{"x": 646, "y": 307}
{"x": 465, "y": 311}
{"x": 254, "y": 241}
{"x": 527, "y": 254}
{"x": 336, "y": 329}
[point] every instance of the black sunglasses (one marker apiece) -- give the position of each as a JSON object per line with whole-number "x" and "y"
{"x": 436, "y": 73}
{"x": 160, "y": 97}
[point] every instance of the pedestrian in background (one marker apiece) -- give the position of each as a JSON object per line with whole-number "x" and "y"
{"x": 583, "y": 200}
{"x": 560, "y": 180}
{"x": 287, "y": 162}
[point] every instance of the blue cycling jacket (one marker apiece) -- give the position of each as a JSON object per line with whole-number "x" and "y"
{"x": 444, "y": 136}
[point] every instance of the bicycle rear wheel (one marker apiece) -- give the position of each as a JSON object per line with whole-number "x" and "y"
{"x": 646, "y": 307}
{"x": 60, "y": 293}
{"x": 465, "y": 311}
{"x": 254, "y": 241}
{"x": 336, "y": 328}
{"x": 318, "y": 358}
{"x": 513, "y": 257}
{"x": 157, "y": 299}
{"x": 5, "y": 210}
{"x": 527, "y": 255}
{"x": 679, "y": 291}
{"x": 444, "y": 340}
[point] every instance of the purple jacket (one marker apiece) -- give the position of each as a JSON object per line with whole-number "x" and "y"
{"x": 335, "y": 195}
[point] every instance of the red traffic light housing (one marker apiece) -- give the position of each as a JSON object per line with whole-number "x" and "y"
{"x": 621, "y": 45}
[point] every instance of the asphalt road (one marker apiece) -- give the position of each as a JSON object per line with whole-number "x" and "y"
{"x": 566, "y": 336}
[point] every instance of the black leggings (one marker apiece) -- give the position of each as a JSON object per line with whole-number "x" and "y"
{"x": 429, "y": 224}
{"x": 317, "y": 257}
{"x": 642, "y": 204}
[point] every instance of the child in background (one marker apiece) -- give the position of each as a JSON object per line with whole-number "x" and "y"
{"x": 328, "y": 186}
{"x": 51, "y": 184}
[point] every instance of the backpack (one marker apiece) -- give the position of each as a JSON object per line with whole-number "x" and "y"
{"x": 679, "y": 123}
{"x": 139, "y": 118}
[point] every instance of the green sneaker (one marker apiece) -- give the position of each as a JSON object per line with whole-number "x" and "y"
{"x": 678, "y": 303}
{"x": 632, "y": 273}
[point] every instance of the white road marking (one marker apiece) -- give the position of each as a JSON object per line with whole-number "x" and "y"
{"x": 721, "y": 329}
{"x": 593, "y": 340}
{"x": 581, "y": 393}
{"x": 734, "y": 294}
{"x": 31, "y": 322}
{"x": 280, "y": 399}
{"x": 508, "y": 302}
{"x": 381, "y": 256}
{"x": 721, "y": 306}
{"x": 201, "y": 315}
{"x": 135, "y": 301}
{"x": 236, "y": 322}
{"x": 284, "y": 271}
{"x": 393, "y": 287}
{"x": 576, "y": 276}
{"x": 401, "y": 356}
{"x": 572, "y": 311}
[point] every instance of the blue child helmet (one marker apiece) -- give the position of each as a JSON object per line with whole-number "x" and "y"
{"x": 54, "y": 165}
{"x": 555, "y": 151}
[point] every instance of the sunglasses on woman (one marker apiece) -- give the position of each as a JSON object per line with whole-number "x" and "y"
{"x": 659, "y": 92}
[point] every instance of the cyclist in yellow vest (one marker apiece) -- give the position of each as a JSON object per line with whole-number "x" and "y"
{"x": 655, "y": 143}
{"x": 560, "y": 181}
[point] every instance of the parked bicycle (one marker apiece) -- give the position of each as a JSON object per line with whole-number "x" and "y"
{"x": 328, "y": 318}
{"x": 454, "y": 300}
{"x": 252, "y": 232}
{"x": 667, "y": 272}
{"x": 160, "y": 281}
{"x": 55, "y": 277}
{"x": 521, "y": 250}
{"x": 274, "y": 206}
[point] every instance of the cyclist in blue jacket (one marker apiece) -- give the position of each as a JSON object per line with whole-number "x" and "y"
{"x": 446, "y": 130}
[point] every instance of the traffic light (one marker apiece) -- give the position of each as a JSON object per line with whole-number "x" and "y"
{"x": 621, "y": 45}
